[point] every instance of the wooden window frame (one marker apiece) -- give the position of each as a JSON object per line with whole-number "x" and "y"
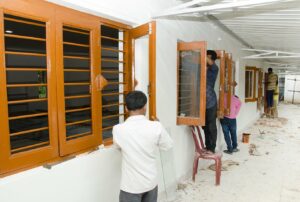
{"x": 126, "y": 75}
{"x": 222, "y": 58}
{"x": 90, "y": 23}
{"x": 260, "y": 87}
{"x": 58, "y": 150}
{"x": 9, "y": 162}
{"x": 190, "y": 46}
{"x": 229, "y": 83}
{"x": 253, "y": 98}
{"x": 135, "y": 33}
{"x": 260, "y": 75}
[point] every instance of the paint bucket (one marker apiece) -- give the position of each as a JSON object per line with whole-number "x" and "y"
{"x": 246, "y": 137}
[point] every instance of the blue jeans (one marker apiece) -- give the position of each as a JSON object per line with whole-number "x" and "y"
{"x": 229, "y": 130}
{"x": 270, "y": 98}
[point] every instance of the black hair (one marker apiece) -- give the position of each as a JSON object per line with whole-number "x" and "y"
{"x": 270, "y": 69}
{"x": 212, "y": 53}
{"x": 135, "y": 100}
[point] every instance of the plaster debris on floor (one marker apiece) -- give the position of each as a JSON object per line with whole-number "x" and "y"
{"x": 265, "y": 170}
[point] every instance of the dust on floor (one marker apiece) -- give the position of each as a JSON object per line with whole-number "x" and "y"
{"x": 265, "y": 170}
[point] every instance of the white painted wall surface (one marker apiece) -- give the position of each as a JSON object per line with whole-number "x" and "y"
{"x": 291, "y": 85}
{"x": 95, "y": 177}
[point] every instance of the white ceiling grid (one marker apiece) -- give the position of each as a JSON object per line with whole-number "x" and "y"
{"x": 264, "y": 24}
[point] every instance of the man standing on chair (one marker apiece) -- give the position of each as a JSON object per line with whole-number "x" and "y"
{"x": 210, "y": 128}
{"x": 271, "y": 87}
{"x": 138, "y": 139}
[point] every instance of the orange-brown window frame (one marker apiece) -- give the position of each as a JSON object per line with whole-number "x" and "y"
{"x": 190, "y": 46}
{"x": 9, "y": 162}
{"x": 260, "y": 88}
{"x": 253, "y": 98}
{"x": 54, "y": 16}
{"x": 229, "y": 83}
{"x": 90, "y": 23}
{"x": 126, "y": 74}
{"x": 135, "y": 33}
{"x": 222, "y": 58}
{"x": 260, "y": 83}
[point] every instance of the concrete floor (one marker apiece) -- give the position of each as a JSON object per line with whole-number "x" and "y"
{"x": 272, "y": 176}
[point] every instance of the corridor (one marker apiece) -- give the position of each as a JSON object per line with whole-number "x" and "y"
{"x": 271, "y": 174}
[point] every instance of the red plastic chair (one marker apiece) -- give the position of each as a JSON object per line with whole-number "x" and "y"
{"x": 201, "y": 152}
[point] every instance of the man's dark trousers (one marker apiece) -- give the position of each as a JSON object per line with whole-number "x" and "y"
{"x": 210, "y": 128}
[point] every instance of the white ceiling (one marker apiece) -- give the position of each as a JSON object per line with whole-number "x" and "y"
{"x": 274, "y": 25}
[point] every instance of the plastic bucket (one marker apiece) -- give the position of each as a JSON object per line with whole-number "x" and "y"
{"x": 246, "y": 137}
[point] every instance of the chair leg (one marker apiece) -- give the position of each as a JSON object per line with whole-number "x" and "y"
{"x": 195, "y": 166}
{"x": 218, "y": 171}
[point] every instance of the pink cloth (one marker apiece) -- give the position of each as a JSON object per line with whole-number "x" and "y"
{"x": 234, "y": 107}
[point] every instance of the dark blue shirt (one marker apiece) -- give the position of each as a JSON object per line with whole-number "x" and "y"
{"x": 211, "y": 76}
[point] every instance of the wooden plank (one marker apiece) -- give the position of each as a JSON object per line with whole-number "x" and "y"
{"x": 30, "y": 146}
{"x": 77, "y": 84}
{"x": 24, "y": 37}
{"x": 79, "y": 135}
{"x": 77, "y": 70}
{"x": 77, "y": 57}
{"x": 111, "y": 94}
{"x": 78, "y": 122}
{"x": 112, "y": 105}
{"x": 25, "y": 53}
{"x": 112, "y": 49}
{"x": 27, "y": 116}
{"x": 112, "y": 116}
{"x": 76, "y": 44}
{"x": 110, "y": 60}
{"x": 113, "y": 72}
{"x": 107, "y": 128}
{"x": 78, "y": 110}
{"x": 116, "y": 83}
{"x": 28, "y": 131}
{"x": 27, "y": 101}
{"x": 25, "y": 69}
{"x": 24, "y": 22}
{"x": 75, "y": 31}
{"x": 25, "y": 85}
{"x": 77, "y": 97}
{"x": 112, "y": 39}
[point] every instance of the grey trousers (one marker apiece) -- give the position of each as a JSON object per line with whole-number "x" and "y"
{"x": 149, "y": 196}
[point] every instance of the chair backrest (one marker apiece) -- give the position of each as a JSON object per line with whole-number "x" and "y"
{"x": 198, "y": 140}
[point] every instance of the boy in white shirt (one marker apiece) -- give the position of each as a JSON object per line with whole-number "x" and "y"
{"x": 139, "y": 138}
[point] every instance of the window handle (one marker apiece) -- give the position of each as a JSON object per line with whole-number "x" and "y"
{"x": 101, "y": 82}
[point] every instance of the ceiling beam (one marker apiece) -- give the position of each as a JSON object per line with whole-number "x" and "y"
{"x": 270, "y": 54}
{"x": 214, "y": 7}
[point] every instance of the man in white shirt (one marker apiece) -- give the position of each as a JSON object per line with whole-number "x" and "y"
{"x": 139, "y": 138}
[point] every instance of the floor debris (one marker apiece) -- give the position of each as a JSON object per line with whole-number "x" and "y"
{"x": 276, "y": 144}
{"x": 253, "y": 150}
{"x": 225, "y": 165}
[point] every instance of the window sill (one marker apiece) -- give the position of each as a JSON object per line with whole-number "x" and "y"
{"x": 108, "y": 142}
{"x": 53, "y": 162}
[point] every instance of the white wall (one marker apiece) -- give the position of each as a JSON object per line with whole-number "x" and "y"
{"x": 95, "y": 177}
{"x": 291, "y": 85}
